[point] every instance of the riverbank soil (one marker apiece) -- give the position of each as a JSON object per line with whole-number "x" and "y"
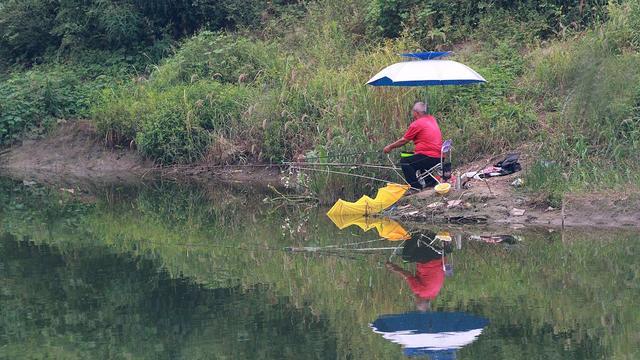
{"x": 72, "y": 150}
{"x": 74, "y": 153}
{"x": 497, "y": 201}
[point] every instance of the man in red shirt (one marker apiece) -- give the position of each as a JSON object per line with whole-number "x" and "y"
{"x": 425, "y": 134}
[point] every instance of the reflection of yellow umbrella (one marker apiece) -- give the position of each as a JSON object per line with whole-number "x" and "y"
{"x": 387, "y": 228}
{"x": 391, "y": 230}
{"x": 385, "y": 197}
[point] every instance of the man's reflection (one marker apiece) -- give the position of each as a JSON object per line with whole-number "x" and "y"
{"x": 431, "y": 267}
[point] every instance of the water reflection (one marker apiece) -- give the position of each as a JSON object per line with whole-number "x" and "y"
{"x": 429, "y": 255}
{"x": 94, "y": 304}
{"x": 386, "y": 228}
{"x": 435, "y": 334}
{"x": 178, "y": 271}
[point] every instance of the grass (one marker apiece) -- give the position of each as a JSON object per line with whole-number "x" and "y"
{"x": 588, "y": 90}
{"x": 297, "y": 88}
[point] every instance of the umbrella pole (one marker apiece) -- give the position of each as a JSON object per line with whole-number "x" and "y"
{"x": 426, "y": 99}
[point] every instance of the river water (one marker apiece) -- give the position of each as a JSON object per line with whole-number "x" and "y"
{"x": 175, "y": 271}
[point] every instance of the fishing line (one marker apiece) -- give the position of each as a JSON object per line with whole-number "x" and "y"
{"x": 356, "y": 243}
{"x": 342, "y": 173}
{"x": 374, "y": 166}
{"x": 343, "y": 155}
{"x": 396, "y": 171}
{"x": 368, "y": 249}
{"x": 361, "y": 257}
{"x": 395, "y": 250}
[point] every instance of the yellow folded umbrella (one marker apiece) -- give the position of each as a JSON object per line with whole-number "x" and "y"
{"x": 385, "y": 197}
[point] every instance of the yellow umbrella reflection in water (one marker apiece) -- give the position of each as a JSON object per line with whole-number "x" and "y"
{"x": 387, "y": 228}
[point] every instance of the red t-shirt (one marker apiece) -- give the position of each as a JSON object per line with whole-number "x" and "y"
{"x": 428, "y": 281}
{"x": 425, "y": 133}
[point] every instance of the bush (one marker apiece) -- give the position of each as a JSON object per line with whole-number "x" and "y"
{"x": 590, "y": 94}
{"x": 173, "y": 124}
{"x": 440, "y": 22}
{"x": 215, "y": 80}
{"x": 623, "y": 25}
{"x": 117, "y": 113}
{"x": 221, "y": 57}
{"x": 30, "y": 28}
{"x": 31, "y": 101}
{"x": 169, "y": 135}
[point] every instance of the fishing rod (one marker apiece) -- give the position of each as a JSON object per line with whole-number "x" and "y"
{"x": 343, "y": 155}
{"x": 342, "y": 173}
{"x": 374, "y": 166}
{"x": 324, "y": 250}
{"x": 356, "y": 243}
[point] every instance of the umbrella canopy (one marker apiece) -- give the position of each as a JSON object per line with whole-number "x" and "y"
{"x": 426, "y": 73}
{"x": 427, "y": 55}
{"x": 438, "y": 334}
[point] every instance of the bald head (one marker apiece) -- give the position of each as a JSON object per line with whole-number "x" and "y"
{"x": 420, "y": 108}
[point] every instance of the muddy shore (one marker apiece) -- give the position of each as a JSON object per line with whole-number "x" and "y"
{"x": 74, "y": 155}
{"x": 498, "y": 203}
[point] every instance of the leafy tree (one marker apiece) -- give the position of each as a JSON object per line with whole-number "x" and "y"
{"x": 31, "y": 27}
{"x": 25, "y": 28}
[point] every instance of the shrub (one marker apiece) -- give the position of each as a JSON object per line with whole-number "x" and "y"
{"x": 117, "y": 113}
{"x": 168, "y": 134}
{"x": 34, "y": 99}
{"x": 623, "y": 25}
{"x": 588, "y": 89}
{"x": 173, "y": 124}
{"x": 30, "y": 28}
{"x": 446, "y": 22}
{"x": 221, "y": 57}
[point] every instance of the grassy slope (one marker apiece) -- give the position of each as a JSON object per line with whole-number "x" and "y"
{"x": 298, "y": 88}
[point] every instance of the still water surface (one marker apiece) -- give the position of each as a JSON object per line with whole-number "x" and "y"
{"x": 169, "y": 271}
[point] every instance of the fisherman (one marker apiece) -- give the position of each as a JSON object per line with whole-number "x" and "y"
{"x": 425, "y": 134}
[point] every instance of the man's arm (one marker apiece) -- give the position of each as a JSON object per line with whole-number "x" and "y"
{"x": 397, "y": 269}
{"x": 398, "y": 143}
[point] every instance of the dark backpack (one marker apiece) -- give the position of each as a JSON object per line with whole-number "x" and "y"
{"x": 509, "y": 164}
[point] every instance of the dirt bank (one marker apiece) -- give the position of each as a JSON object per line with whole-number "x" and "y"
{"x": 72, "y": 150}
{"x": 497, "y": 202}
{"x": 75, "y": 153}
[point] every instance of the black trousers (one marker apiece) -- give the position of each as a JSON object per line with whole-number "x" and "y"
{"x": 418, "y": 162}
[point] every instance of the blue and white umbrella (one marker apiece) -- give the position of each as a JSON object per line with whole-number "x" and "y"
{"x": 437, "y": 334}
{"x": 428, "y": 71}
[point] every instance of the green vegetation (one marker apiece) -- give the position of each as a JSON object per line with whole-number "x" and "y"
{"x": 591, "y": 105}
{"x": 233, "y": 81}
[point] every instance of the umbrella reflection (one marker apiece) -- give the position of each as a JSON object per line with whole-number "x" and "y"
{"x": 423, "y": 333}
{"x": 387, "y": 228}
{"x": 435, "y": 334}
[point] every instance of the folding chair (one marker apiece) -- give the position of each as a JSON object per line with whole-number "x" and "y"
{"x": 442, "y": 168}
